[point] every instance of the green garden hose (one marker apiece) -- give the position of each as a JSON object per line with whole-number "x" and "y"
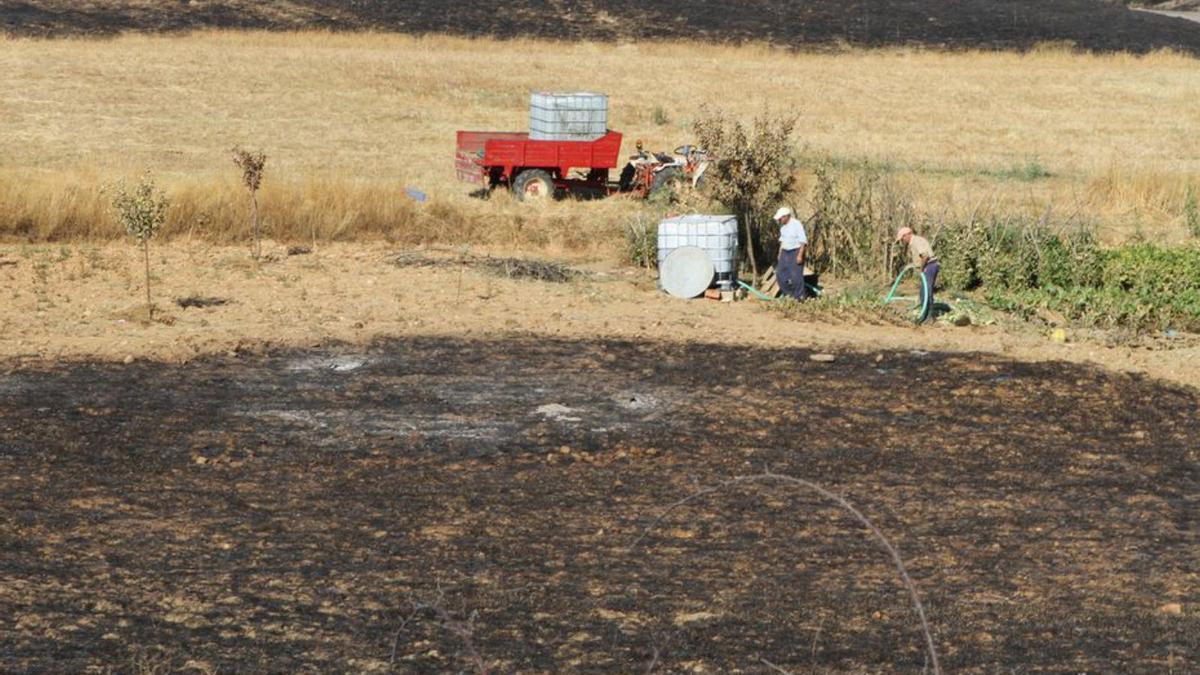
{"x": 922, "y": 302}
{"x": 757, "y": 293}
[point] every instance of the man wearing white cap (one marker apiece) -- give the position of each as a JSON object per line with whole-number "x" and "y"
{"x": 792, "y": 242}
{"x": 923, "y": 259}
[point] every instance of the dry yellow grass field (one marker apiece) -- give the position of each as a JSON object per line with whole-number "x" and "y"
{"x": 349, "y": 120}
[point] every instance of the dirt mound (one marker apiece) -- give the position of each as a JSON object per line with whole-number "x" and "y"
{"x": 1017, "y": 24}
{"x": 421, "y": 504}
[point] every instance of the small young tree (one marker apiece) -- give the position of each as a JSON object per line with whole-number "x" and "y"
{"x": 141, "y": 212}
{"x": 753, "y": 172}
{"x": 251, "y": 164}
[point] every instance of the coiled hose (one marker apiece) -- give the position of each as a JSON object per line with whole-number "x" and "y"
{"x": 922, "y": 303}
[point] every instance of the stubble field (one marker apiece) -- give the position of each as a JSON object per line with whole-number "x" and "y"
{"x": 348, "y": 121}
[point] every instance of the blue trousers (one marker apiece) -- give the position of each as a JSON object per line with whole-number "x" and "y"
{"x": 930, "y": 273}
{"x": 791, "y": 276}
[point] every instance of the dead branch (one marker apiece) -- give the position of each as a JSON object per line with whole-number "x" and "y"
{"x": 774, "y": 667}
{"x": 653, "y": 661}
{"x": 768, "y": 477}
{"x": 464, "y": 630}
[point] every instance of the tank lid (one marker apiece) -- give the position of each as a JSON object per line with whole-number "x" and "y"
{"x": 686, "y": 272}
{"x": 699, "y": 218}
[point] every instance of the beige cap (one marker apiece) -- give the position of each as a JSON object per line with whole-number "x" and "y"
{"x": 783, "y": 211}
{"x": 902, "y": 232}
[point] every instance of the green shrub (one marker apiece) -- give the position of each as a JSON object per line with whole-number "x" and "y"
{"x": 1106, "y": 307}
{"x": 753, "y": 173}
{"x": 1144, "y": 269}
{"x": 1054, "y": 263}
{"x": 1087, "y": 262}
{"x": 141, "y": 211}
{"x": 1008, "y": 254}
{"x": 1028, "y": 172}
{"x": 856, "y": 213}
{"x": 958, "y": 250}
{"x": 1008, "y": 258}
{"x": 1139, "y": 286}
{"x": 1068, "y": 261}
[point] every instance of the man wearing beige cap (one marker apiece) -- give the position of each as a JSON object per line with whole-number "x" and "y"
{"x": 792, "y": 243}
{"x": 923, "y": 259}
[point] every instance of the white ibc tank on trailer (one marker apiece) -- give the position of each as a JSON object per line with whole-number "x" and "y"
{"x": 715, "y": 235}
{"x": 567, "y": 116}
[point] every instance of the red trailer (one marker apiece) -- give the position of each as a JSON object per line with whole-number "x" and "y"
{"x": 536, "y": 168}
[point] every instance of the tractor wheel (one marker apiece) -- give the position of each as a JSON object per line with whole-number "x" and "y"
{"x": 625, "y": 182}
{"x": 664, "y": 182}
{"x": 533, "y": 184}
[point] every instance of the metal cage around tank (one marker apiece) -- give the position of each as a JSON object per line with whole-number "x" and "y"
{"x": 716, "y": 235}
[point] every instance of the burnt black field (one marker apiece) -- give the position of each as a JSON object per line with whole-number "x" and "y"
{"x": 437, "y": 504}
{"x": 1095, "y": 25}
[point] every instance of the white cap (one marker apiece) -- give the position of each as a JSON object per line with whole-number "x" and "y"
{"x": 783, "y": 211}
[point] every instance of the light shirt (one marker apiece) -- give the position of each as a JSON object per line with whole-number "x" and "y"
{"x": 792, "y": 236}
{"x": 917, "y": 247}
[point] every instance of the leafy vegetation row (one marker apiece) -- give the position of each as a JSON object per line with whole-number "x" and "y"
{"x": 1015, "y": 263}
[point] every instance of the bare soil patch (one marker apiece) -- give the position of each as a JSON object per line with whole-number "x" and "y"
{"x": 335, "y": 509}
{"x": 78, "y": 303}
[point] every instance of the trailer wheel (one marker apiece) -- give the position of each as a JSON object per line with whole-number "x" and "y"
{"x": 533, "y": 184}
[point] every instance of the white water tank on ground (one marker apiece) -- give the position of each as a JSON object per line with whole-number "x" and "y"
{"x": 716, "y": 235}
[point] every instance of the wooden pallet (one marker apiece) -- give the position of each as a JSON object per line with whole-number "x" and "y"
{"x": 770, "y": 284}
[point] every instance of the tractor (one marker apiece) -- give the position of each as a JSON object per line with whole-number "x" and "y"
{"x": 648, "y": 174}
